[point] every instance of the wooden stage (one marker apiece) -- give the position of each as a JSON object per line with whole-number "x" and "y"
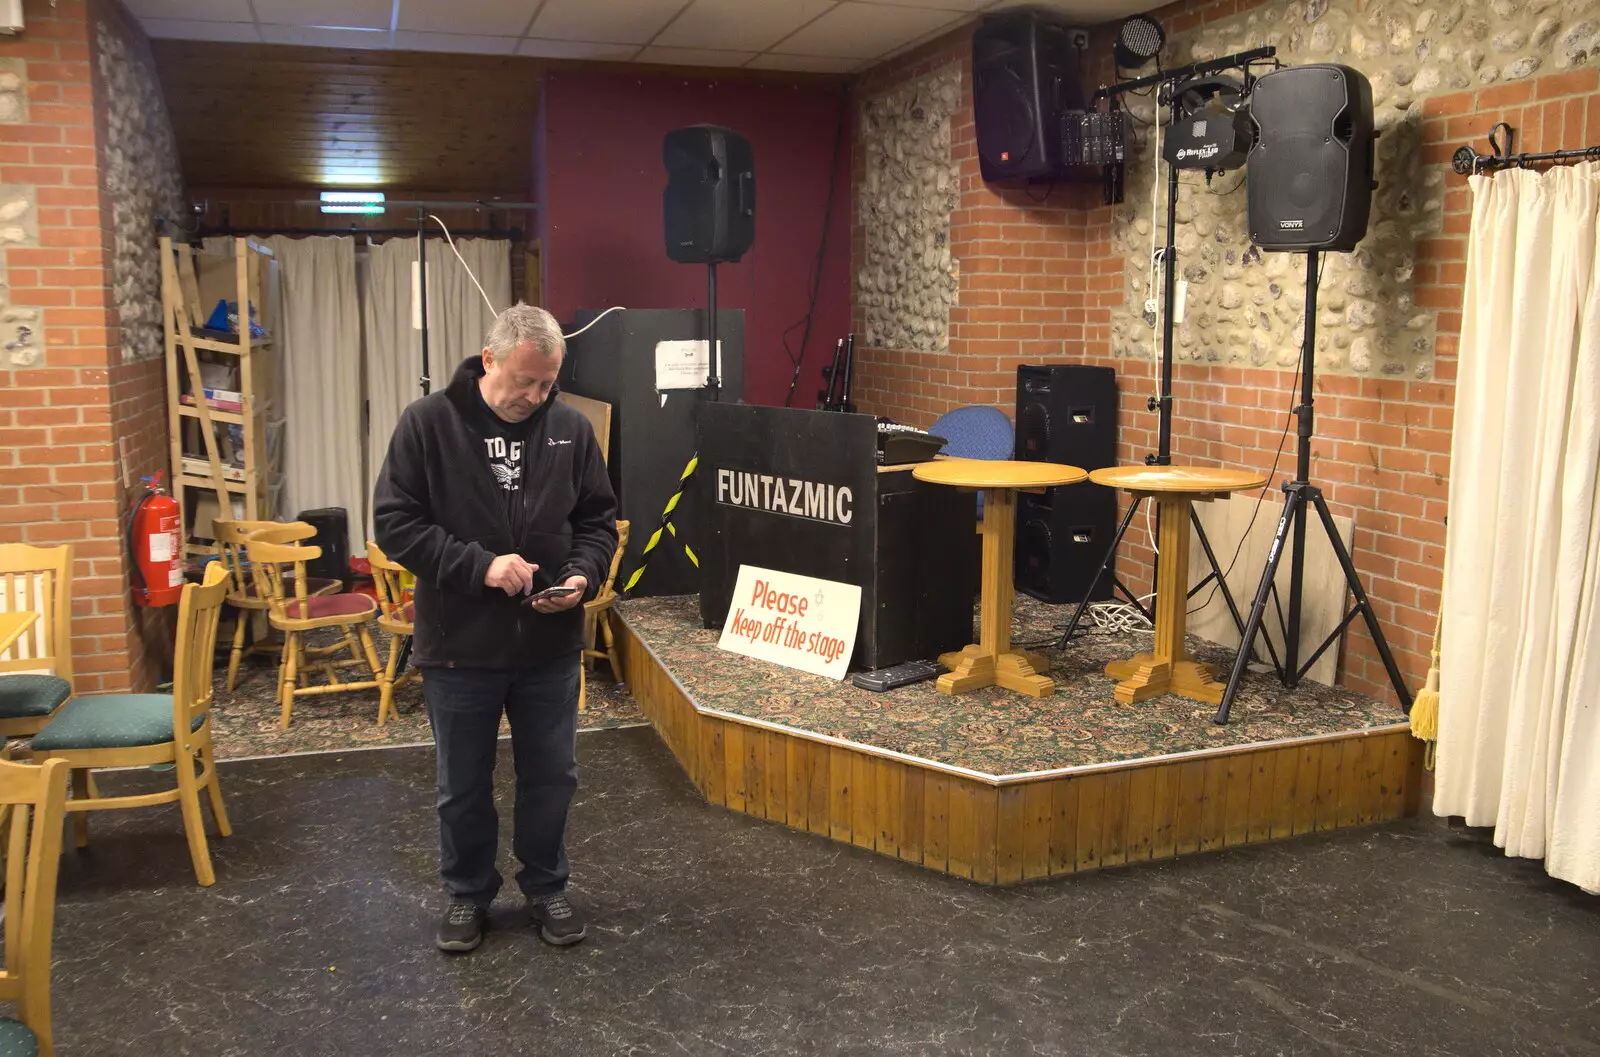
{"x": 1000, "y": 828}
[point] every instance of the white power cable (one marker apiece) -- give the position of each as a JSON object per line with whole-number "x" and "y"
{"x": 494, "y": 311}
{"x": 596, "y": 319}
{"x": 1121, "y": 616}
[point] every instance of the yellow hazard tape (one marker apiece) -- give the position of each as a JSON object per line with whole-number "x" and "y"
{"x": 666, "y": 525}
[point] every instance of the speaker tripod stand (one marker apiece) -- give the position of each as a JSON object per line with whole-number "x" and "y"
{"x": 1300, "y": 495}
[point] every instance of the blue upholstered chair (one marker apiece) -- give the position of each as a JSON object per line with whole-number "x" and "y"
{"x": 976, "y": 432}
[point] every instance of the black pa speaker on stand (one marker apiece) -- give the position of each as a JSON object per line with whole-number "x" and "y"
{"x": 1311, "y": 167}
{"x": 1066, "y": 413}
{"x": 1310, "y": 179}
{"x": 708, "y": 210}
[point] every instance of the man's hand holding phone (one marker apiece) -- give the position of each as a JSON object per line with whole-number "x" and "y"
{"x": 562, "y": 596}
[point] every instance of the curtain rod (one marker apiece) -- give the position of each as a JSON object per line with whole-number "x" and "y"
{"x": 514, "y": 234}
{"x": 1468, "y": 161}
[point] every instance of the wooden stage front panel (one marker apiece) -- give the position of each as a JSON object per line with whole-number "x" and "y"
{"x": 1019, "y": 828}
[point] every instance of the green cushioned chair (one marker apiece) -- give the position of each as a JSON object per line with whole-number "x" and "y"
{"x": 36, "y": 670}
{"x": 31, "y": 697}
{"x": 17, "y": 1040}
{"x": 137, "y": 730}
{"x": 33, "y": 860}
{"x": 111, "y": 721}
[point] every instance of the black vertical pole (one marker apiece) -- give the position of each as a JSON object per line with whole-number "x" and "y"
{"x": 1297, "y": 561}
{"x": 422, "y": 292}
{"x": 713, "y": 383}
{"x": 1169, "y": 258}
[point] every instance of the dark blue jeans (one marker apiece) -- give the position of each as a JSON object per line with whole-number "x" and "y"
{"x": 464, "y": 706}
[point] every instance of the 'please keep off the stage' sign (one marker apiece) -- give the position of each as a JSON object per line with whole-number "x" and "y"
{"x": 797, "y": 621}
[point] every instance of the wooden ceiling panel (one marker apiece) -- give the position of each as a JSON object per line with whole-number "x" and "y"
{"x": 251, "y": 115}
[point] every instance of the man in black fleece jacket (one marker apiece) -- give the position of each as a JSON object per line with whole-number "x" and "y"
{"x": 491, "y": 492}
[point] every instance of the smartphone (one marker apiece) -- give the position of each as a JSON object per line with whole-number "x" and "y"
{"x": 550, "y": 592}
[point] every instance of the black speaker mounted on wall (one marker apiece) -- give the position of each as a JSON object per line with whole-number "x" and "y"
{"x": 708, "y": 209}
{"x": 1025, "y": 77}
{"x": 1309, "y": 181}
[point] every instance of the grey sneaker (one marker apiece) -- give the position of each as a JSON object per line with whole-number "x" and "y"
{"x": 558, "y": 922}
{"x": 462, "y": 928}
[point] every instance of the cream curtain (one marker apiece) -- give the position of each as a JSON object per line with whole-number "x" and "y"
{"x": 320, "y": 341}
{"x": 458, "y": 320}
{"x": 1519, "y": 727}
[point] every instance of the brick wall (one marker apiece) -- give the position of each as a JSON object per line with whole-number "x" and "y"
{"x": 64, "y": 419}
{"x": 1038, "y": 282}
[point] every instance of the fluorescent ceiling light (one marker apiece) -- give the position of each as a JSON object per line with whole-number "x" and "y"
{"x": 371, "y": 208}
{"x": 346, "y": 197}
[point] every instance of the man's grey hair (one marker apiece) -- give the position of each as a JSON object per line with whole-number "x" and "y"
{"x": 523, "y": 323}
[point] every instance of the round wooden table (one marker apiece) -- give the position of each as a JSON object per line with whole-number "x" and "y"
{"x": 990, "y": 661}
{"x": 1168, "y": 668}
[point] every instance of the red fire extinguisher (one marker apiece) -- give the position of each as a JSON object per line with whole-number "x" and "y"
{"x": 156, "y": 546}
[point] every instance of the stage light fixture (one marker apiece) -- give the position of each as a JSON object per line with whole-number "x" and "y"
{"x": 1139, "y": 40}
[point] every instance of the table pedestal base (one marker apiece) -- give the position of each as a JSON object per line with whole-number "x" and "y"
{"x": 1145, "y": 676}
{"x": 973, "y": 668}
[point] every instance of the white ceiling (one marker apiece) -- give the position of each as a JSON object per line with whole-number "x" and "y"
{"x": 824, "y": 36}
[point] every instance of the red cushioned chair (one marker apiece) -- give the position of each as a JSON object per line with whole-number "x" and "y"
{"x": 293, "y": 610}
{"x": 231, "y": 536}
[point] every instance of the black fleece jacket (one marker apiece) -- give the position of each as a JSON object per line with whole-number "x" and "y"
{"x": 438, "y": 511}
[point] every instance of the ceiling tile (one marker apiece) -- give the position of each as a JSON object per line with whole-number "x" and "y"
{"x": 621, "y": 21}
{"x": 694, "y": 56}
{"x": 325, "y": 38}
{"x": 739, "y": 25}
{"x": 804, "y": 63}
{"x": 967, "y": 6}
{"x": 575, "y": 49}
{"x": 864, "y": 31}
{"x": 492, "y": 18}
{"x": 193, "y": 10}
{"x": 182, "y": 29}
{"x": 407, "y": 40}
{"x": 359, "y": 14}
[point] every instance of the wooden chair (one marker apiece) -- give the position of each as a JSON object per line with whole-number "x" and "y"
{"x": 36, "y": 672}
{"x": 33, "y": 861}
{"x": 397, "y": 615}
{"x": 138, "y": 730}
{"x": 297, "y": 613}
{"x": 597, "y": 622}
{"x": 242, "y": 596}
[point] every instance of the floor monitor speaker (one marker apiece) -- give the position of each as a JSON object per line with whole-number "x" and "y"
{"x": 1066, "y": 413}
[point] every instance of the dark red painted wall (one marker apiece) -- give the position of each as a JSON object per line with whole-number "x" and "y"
{"x": 601, "y": 182}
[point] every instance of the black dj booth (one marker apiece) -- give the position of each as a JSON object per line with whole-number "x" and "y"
{"x": 802, "y": 492}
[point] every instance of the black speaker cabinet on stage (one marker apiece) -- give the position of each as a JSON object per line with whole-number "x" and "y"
{"x": 1309, "y": 182}
{"x": 1025, "y": 76}
{"x": 333, "y": 536}
{"x": 709, "y": 207}
{"x": 1066, "y": 413}
{"x": 907, "y": 544}
{"x": 651, "y": 440}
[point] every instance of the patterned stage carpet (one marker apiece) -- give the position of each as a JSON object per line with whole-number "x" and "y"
{"x": 997, "y": 731}
{"x": 245, "y": 722}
